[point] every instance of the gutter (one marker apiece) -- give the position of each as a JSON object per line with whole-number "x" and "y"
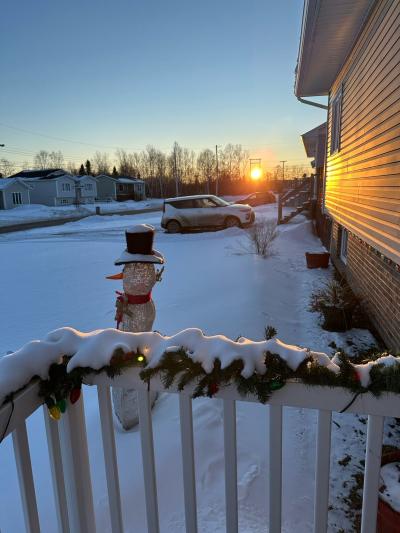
{"x": 314, "y": 104}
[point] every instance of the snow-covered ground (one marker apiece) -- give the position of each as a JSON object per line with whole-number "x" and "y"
{"x": 55, "y": 277}
{"x": 35, "y": 212}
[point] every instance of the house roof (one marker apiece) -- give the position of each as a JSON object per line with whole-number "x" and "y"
{"x": 47, "y": 173}
{"x": 7, "y": 182}
{"x": 131, "y": 181}
{"x": 77, "y": 179}
{"x": 329, "y": 31}
{"x": 311, "y": 138}
{"x": 105, "y": 176}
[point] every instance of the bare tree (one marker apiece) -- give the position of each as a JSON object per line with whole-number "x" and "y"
{"x": 206, "y": 165}
{"x": 56, "y": 159}
{"x": 161, "y": 170}
{"x": 101, "y": 163}
{"x": 72, "y": 168}
{"x": 126, "y": 163}
{"x": 42, "y": 160}
{"x": 175, "y": 161}
{"x": 7, "y": 168}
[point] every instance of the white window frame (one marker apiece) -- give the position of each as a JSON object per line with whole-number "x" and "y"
{"x": 344, "y": 244}
{"x": 336, "y": 121}
{"x": 17, "y": 198}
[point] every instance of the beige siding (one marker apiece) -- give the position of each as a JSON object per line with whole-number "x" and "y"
{"x": 363, "y": 177}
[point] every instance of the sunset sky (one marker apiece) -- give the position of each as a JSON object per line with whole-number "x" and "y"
{"x": 129, "y": 73}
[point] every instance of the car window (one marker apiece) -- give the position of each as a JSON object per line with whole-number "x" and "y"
{"x": 204, "y": 202}
{"x": 183, "y": 204}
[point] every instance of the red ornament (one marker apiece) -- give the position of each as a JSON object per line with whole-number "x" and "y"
{"x": 214, "y": 388}
{"x": 74, "y": 395}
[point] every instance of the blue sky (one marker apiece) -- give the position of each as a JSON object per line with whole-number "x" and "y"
{"x": 128, "y": 73}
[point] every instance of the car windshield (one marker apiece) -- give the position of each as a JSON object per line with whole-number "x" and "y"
{"x": 219, "y": 201}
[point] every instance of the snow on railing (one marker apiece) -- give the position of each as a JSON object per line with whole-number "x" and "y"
{"x": 69, "y": 455}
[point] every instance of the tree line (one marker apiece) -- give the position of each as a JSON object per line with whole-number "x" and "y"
{"x": 180, "y": 171}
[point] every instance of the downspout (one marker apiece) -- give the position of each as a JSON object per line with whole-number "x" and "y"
{"x": 314, "y": 104}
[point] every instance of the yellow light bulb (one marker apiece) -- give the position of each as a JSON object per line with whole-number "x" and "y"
{"x": 140, "y": 358}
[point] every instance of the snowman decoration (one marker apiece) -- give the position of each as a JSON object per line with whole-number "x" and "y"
{"x": 135, "y": 310}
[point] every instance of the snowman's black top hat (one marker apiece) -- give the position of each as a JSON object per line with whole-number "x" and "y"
{"x": 139, "y": 246}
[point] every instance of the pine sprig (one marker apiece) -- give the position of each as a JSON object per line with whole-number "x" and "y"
{"x": 178, "y": 368}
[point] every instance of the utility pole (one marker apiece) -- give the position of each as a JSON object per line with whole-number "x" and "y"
{"x": 283, "y": 168}
{"x": 217, "y": 171}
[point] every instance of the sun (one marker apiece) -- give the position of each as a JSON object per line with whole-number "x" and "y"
{"x": 255, "y": 173}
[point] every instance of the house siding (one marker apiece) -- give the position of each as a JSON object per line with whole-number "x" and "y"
{"x": 43, "y": 192}
{"x": 106, "y": 189}
{"x": 376, "y": 280}
{"x": 6, "y": 201}
{"x": 362, "y": 190}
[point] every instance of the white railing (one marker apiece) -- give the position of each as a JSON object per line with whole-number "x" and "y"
{"x": 69, "y": 455}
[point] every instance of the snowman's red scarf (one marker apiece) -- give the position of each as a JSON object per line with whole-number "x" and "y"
{"x": 124, "y": 299}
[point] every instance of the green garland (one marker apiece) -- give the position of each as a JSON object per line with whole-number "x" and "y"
{"x": 177, "y": 368}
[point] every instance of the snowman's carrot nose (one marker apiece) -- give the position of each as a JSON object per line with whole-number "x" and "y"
{"x": 116, "y": 276}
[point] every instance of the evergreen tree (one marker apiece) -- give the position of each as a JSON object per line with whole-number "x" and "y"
{"x": 82, "y": 171}
{"x": 114, "y": 172}
{"x": 88, "y": 167}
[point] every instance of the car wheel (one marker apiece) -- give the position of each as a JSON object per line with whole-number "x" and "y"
{"x": 173, "y": 226}
{"x": 232, "y": 222}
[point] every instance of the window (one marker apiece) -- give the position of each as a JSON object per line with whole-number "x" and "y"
{"x": 205, "y": 202}
{"x": 17, "y": 198}
{"x": 344, "y": 238}
{"x": 88, "y": 187}
{"x": 336, "y": 121}
{"x": 66, "y": 187}
{"x": 64, "y": 201}
{"x": 183, "y": 204}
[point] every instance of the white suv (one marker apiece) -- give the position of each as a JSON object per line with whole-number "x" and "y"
{"x": 203, "y": 211}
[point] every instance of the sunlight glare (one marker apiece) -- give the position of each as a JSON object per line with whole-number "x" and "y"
{"x": 255, "y": 173}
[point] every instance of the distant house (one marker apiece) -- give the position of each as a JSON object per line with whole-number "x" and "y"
{"x": 55, "y": 187}
{"x": 350, "y": 51}
{"x": 85, "y": 189}
{"x": 13, "y": 192}
{"x": 106, "y": 188}
{"x": 130, "y": 189}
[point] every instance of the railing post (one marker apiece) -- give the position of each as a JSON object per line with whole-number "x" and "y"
{"x": 275, "y": 468}
{"x": 25, "y": 476}
{"x": 322, "y": 469}
{"x": 372, "y": 471}
{"x": 57, "y": 471}
{"x": 75, "y": 457}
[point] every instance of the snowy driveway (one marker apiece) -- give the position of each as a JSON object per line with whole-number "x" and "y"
{"x": 55, "y": 277}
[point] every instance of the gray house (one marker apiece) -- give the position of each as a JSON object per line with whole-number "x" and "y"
{"x": 85, "y": 189}
{"x": 106, "y": 188}
{"x": 130, "y": 189}
{"x": 54, "y": 187}
{"x": 13, "y": 192}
